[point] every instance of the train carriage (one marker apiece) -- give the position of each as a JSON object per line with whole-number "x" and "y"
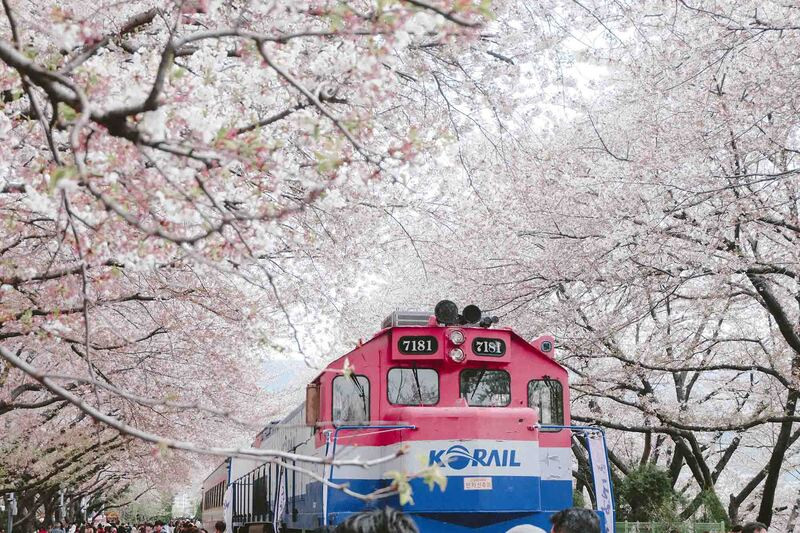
{"x": 486, "y": 407}
{"x": 215, "y": 485}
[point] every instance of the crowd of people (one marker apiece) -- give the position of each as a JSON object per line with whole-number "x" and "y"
{"x": 385, "y": 520}
{"x": 158, "y": 526}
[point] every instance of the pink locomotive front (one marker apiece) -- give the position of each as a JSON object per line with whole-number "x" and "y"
{"x": 475, "y": 401}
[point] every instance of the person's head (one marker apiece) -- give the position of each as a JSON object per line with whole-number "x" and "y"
{"x": 575, "y": 520}
{"x": 754, "y": 527}
{"x": 219, "y": 527}
{"x": 737, "y": 528}
{"x": 386, "y": 520}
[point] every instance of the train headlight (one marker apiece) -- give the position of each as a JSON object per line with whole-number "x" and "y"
{"x": 457, "y": 355}
{"x": 457, "y": 337}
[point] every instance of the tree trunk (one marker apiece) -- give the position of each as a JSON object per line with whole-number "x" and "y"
{"x": 793, "y": 516}
{"x": 776, "y": 461}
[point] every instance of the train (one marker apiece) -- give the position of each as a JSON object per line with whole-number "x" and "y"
{"x": 216, "y": 484}
{"x": 451, "y": 390}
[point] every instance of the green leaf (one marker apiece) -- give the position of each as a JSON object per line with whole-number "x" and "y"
{"x": 66, "y": 112}
{"x": 60, "y": 173}
{"x": 485, "y": 9}
{"x": 347, "y": 368}
{"x": 176, "y": 74}
{"x": 327, "y": 163}
{"x": 433, "y": 476}
{"x": 163, "y": 449}
{"x": 27, "y": 317}
{"x": 402, "y": 486}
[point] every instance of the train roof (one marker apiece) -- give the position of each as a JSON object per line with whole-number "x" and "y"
{"x": 267, "y": 430}
{"x": 421, "y": 319}
{"x": 216, "y": 469}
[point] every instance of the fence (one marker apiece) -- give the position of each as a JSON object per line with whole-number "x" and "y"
{"x": 682, "y": 527}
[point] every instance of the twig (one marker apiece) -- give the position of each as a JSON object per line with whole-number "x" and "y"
{"x": 126, "y": 429}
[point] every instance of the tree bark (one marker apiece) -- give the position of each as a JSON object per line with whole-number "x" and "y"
{"x": 776, "y": 461}
{"x": 793, "y": 516}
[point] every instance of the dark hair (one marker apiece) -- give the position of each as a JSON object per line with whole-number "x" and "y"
{"x": 386, "y": 520}
{"x": 575, "y": 520}
{"x": 220, "y": 525}
{"x": 752, "y": 527}
{"x": 159, "y": 523}
{"x": 737, "y": 528}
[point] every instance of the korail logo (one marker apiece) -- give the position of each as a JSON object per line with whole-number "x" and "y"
{"x": 459, "y": 457}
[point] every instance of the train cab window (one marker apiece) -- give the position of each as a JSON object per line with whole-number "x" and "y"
{"x": 547, "y": 396}
{"x": 413, "y": 386}
{"x": 486, "y": 388}
{"x": 350, "y": 400}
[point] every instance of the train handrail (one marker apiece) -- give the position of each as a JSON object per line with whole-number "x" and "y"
{"x": 593, "y": 429}
{"x": 394, "y": 427}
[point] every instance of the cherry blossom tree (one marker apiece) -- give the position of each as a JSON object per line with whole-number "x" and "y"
{"x": 657, "y": 227}
{"x": 644, "y": 208}
{"x": 182, "y": 184}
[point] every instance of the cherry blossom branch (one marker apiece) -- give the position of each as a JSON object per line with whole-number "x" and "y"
{"x": 285, "y": 113}
{"x": 283, "y": 73}
{"x": 450, "y": 15}
{"x": 701, "y": 368}
{"x": 126, "y": 429}
{"x": 88, "y": 51}
{"x": 51, "y": 275}
{"x": 26, "y": 86}
{"x": 144, "y": 400}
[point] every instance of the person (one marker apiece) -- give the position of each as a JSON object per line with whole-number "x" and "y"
{"x": 754, "y": 527}
{"x": 737, "y": 528}
{"x": 219, "y": 527}
{"x": 159, "y": 527}
{"x": 385, "y": 520}
{"x": 42, "y": 529}
{"x": 58, "y": 528}
{"x": 575, "y": 520}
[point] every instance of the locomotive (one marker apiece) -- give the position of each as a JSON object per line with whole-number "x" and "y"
{"x": 449, "y": 390}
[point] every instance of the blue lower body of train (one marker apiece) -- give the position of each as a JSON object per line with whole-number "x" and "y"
{"x": 512, "y": 501}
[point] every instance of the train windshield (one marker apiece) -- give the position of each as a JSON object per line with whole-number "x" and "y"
{"x": 413, "y": 386}
{"x": 486, "y": 388}
{"x": 546, "y": 396}
{"x": 350, "y": 400}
